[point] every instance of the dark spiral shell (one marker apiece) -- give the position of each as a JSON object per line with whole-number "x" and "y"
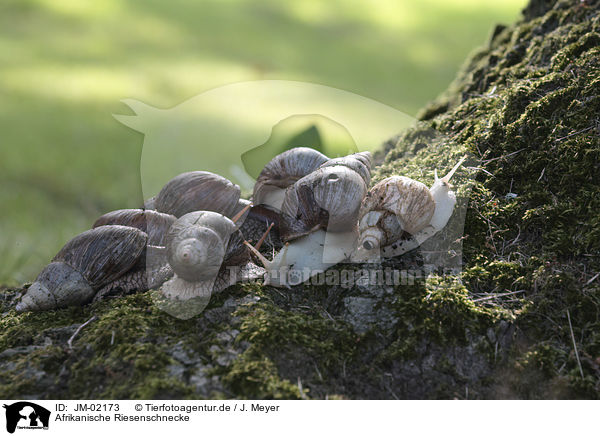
{"x": 198, "y": 190}
{"x": 155, "y": 224}
{"x": 328, "y": 198}
{"x": 284, "y": 170}
{"x": 86, "y": 263}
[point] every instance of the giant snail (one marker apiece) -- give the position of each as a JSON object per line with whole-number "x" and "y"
{"x": 127, "y": 249}
{"x": 321, "y": 226}
{"x": 398, "y": 207}
{"x": 283, "y": 171}
{"x": 192, "y": 238}
{"x": 318, "y": 220}
{"x": 207, "y": 253}
{"x": 92, "y": 260}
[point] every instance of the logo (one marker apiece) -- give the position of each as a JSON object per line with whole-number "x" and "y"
{"x": 26, "y": 415}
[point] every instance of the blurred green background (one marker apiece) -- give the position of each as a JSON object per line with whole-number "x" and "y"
{"x": 66, "y": 64}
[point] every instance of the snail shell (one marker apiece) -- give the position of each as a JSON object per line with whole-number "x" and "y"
{"x": 204, "y": 249}
{"x": 197, "y": 244}
{"x": 84, "y": 265}
{"x": 155, "y": 224}
{"x": 328, "y": 198}
{"x": 359, "y": 162}
{"x": 283, "y": 171}
{"x": 198, "y": 190}
{"x": 393, "y": 206}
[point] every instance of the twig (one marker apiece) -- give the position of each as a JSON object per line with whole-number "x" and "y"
{"x": 480, "y": 169}
{"x": 391, "y": 392}
{"x": 318, "y": 372}
{"x": 592, "y": 279}
{"x": 574, "y": 133}
{"x": 70, "y": 341}
{"x": 541, "y": 175}
{"x": 503, "y": 156}
{"x": 574, "y": 344}
{"x": 302, "y": 394}
{"x": 498, "y": 295}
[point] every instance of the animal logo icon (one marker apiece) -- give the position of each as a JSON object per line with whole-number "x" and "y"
{"x": 26, "y": 415}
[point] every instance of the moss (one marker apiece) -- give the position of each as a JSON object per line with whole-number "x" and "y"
{"x": 255, "y": 376}
{"x": 286, "y": 336}
{"x": 525, "y": 109}
{"x": 528, "y": 107}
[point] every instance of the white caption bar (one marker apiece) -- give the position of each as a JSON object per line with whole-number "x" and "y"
{"x": 25, "y": 417}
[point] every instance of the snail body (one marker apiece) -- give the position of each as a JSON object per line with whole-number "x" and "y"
{"x": 306, "y": 257}
{"x": 85, "y": 264}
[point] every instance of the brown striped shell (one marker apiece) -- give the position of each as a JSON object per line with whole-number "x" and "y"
{"x": 86, "y": 263}
{"x": 155, "y": 224}
{"x": 283, "y": 171}
{"x": 198, "y": 190}
{"x": 359, "y": 162}
{"x": 328, "y": 198}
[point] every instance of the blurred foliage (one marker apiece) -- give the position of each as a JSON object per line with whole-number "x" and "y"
{"x": 64, "y": 66}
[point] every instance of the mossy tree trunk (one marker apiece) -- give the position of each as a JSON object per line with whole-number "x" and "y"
{"x": 528, "y": 107}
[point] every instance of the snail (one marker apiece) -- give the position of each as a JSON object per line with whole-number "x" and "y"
{"x": 197, "y": 190}
{"x": 91, "y": 253}
{"x": 306, "y": 257}
{"x": 318, "y": 223}
{"x": 358, "y": 162}
{"x": 283, "y": 171}
{"x": 154, "y": 223}
{"x": 329, "y": 197}
{"x": 88, "y": 262}
{"x": 192, "y": 238}
{"x": 201, "y": 190}
{"x": 203, "y": 248}
{"x": 397, "y": 206}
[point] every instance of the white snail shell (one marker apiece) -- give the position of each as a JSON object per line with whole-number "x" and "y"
{"x": 283, "y": 171}
{"x": 198, "y": 190}
{"x": 394, "y": 205}
{"x": 84, "y": 265}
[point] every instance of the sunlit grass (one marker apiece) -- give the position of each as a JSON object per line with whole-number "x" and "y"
{"x": 65, "y": 65}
